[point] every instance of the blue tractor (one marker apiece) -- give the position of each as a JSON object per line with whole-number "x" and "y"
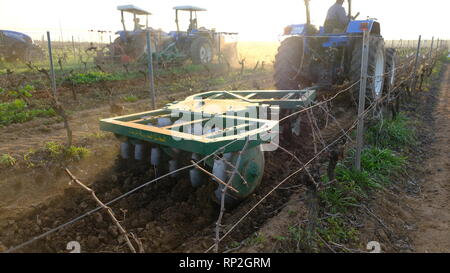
{"x": 16, "y": 46}
{"x": 321, "y": 57}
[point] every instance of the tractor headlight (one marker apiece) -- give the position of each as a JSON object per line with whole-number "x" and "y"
{"x": 287, "y": 30}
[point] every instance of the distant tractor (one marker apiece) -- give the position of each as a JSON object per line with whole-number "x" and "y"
{"x": 310, "y": 56}
{"x": 131, "y": 45}
{"x": 198, "y": 44}
{"x": 16, "y": 46}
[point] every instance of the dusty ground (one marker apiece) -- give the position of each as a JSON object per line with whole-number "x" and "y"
{"x": 432, "y": 210}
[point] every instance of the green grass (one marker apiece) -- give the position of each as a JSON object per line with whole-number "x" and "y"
{"x": 352, "y": 186}
{"x": 217, "y": 81}
{"x": 54, "y": 153}
{"x": 347, "y": 192}
{"x": 255, "y": 239}
{"x": 15, "y": 108}
{"x": 18, "y": 111}
{"x": 392, "y": 134}
{"x": 130, "y": 98}
{"x": 335, "y": 229}
{"x": 58, "y": 151}
{"x": 6, "y": 160}
{"x": 94, "y": 77}
{"x": 379, "y": 164}
{"x": 23, "y": 93}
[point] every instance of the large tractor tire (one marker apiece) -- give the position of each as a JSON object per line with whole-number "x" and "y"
{"x": 375, "y": 69}
{"x": 136, "y": 47}
{"x": 287, "y": 64}
{"x": 287, "y": 77}
{"x": 201, "y": 51}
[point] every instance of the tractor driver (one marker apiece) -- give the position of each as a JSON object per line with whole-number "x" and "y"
{"x": 137, "y": 26}
{"x": 192, "y": 25}
{"x": 337, "y": 19}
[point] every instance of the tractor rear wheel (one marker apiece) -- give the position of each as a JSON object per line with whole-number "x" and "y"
{"x": 201, "y": 51}
{"x": 375, "y": 69}
{"x": 287, "y": 77}
{"x": 287, "y": 64}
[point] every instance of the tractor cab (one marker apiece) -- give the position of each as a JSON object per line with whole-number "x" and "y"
{"x": 193, "y": 23}
{"x": 189, "y": 41}
{"x": 140, "y": 18}
{"x": 131, "y": 44}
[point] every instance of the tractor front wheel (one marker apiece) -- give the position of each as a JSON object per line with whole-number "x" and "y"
{"x": 201, "y": 51}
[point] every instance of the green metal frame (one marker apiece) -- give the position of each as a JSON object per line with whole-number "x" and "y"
{"x": 136, "y": 126}
{"x": 232, "y": 131}
{"x": 285, "y": 99}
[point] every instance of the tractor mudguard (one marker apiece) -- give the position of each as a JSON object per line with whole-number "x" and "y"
{"x": 17, "y": 36}
{"x": 297, "y": 29}
{"x": 355, "y": 26}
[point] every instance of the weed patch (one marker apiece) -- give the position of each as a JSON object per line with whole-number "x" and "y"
{"x": 53, "y": 152}
{"x": 18, "y": 111}
{"x": 58, "y": 151}
{"x": 130, "y": 98}
{"x": 94, "y": 77}
{"x": 392, "y": 134}
{"x": 7, "y": 160}
{"x": 352, "y": 186}
{"x": 334, "y": 229}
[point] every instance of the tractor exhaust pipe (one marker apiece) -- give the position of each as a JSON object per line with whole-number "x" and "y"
{"x": 308, "y": 14}
{"x": 350, "y": 17}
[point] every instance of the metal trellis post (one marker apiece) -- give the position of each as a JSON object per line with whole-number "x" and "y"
{"x": 362, "y": 97}
{"x": 52, "y": 70}
{"x": 416, "y": 62}
{"x": 150, "y": 70}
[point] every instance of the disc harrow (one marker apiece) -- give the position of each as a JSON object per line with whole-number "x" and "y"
{"x": 232, "y": 129}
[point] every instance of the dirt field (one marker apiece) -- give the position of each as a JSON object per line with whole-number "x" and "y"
{"x": 412, "y": 215}
{"x": 432, "y": 212}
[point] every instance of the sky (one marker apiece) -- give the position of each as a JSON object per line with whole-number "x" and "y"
{"x": 255, "y": 20}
